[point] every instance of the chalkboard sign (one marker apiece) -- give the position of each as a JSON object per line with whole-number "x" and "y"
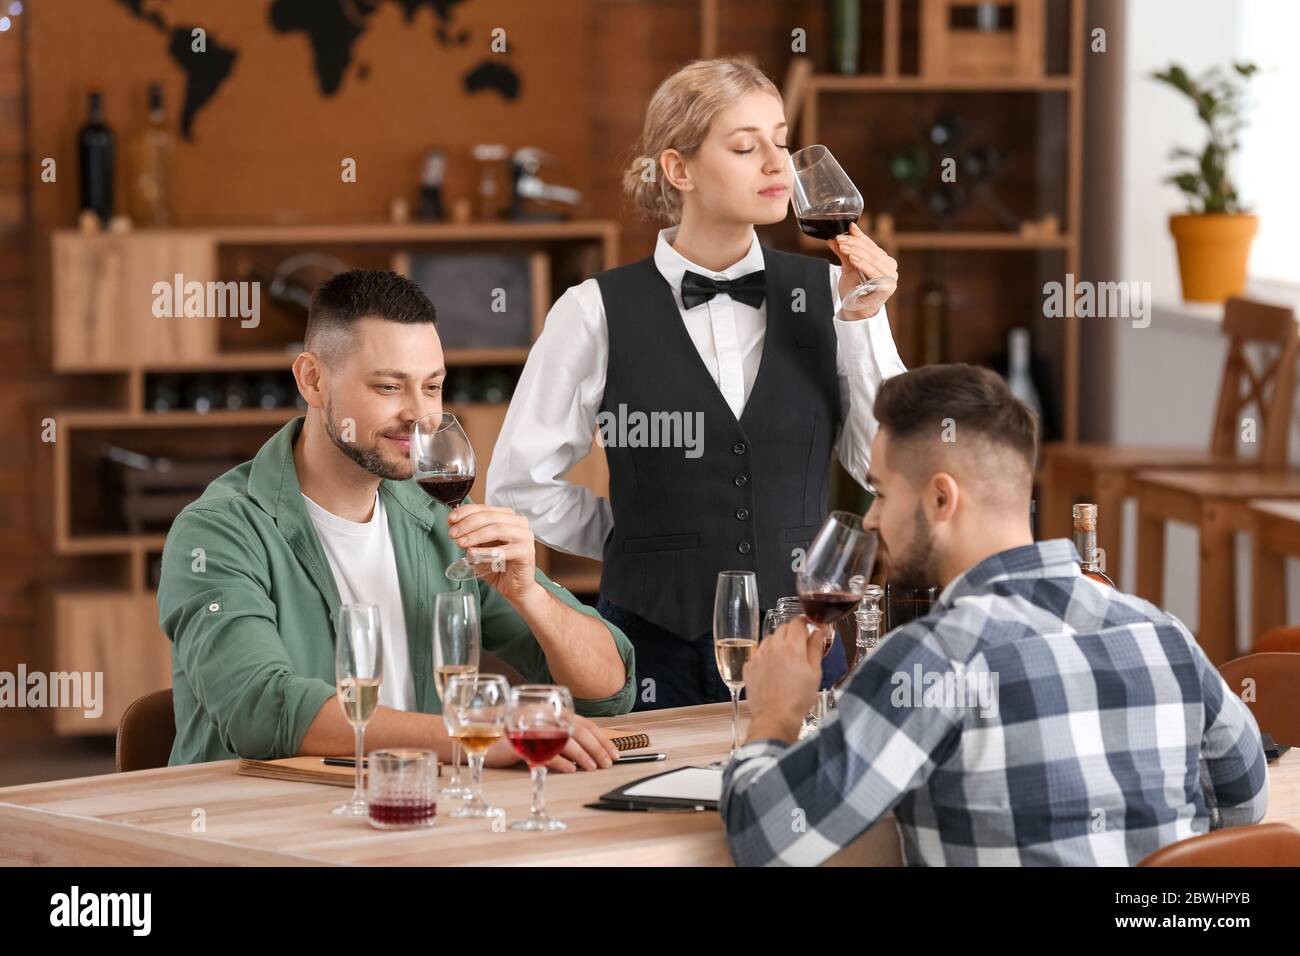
{"x": 483, "y": 301}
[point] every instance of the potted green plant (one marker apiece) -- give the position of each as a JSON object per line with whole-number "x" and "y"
{"x": 1214, "y": 235}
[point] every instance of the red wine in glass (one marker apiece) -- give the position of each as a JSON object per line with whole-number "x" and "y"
{"x": 403, "y": 813}
{"x": 827, "y": 607}
{"x": 826, "y": 226}
{"x": 538, "y": 746}
{"x": 450, "y": 489}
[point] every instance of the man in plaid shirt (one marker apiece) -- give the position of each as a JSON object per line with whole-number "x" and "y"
{"x": 1034, "y": 717}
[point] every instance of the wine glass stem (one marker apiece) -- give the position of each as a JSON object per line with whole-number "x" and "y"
{"x": 538, "y": 811}
{"x": 735, "y": 720}
{"x": 455, "y": 762}
{"x": 821, "y": 706}
{"x": 476, "y": 778}
{"x": 361, "y": 754}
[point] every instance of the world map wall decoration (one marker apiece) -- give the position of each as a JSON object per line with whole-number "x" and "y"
{"x": 331, "y": 27}
{"x": 285, "y": 91}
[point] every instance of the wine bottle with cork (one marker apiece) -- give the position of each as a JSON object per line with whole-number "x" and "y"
{"x": 1085, "y": 540}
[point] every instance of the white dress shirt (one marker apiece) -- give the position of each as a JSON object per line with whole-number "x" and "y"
{"x": 551, "y": 421}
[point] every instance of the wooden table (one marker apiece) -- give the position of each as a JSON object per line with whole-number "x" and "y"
{"x": 1276, "y": 537}
{"x": 147, "y": 817}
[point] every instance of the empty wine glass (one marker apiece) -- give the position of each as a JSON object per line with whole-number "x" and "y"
{"x": 825, "y": 204}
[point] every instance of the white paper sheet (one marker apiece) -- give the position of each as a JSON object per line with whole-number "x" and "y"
{"x": 688, "y": 783}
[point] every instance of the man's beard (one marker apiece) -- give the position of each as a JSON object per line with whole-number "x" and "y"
{"x": 915, "y": 566}
{"x": 368, "y": 457}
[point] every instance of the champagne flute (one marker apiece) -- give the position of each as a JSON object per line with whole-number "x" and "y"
{"x": 442, "y": 464}
{"x": 457, "y": 643}
{"x": 834, "y": 574}
{"x": 539, "y": 722}
{"x": 358, "y": 674}
{"x": 735, "y": 636}
{"x": 475, "y": 712}
{"x": 825, "y": 204}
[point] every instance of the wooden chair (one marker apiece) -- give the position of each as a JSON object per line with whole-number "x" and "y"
{"x": 146, "y": 732}
{"x": 1275, "y": 536}
{"x": 1274, "y": 682}
{"x": 1262, "y": 844}
{"x": 1101, "y": 473}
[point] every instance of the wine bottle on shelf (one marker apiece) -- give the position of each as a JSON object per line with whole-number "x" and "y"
{"x": 152, "y": 157}
{"x": 431, "y": 177}
{"x": 932, "y": 316}
{"x": 95, "y": 156}
{"x": 1018, "y": 377}
{"x": 1085, "y": 540}
{"x": 846, "y": 35}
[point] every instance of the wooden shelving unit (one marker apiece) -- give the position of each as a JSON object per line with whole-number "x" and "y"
{"x": 862, "y": 115}
{"x": 101, "y": 292}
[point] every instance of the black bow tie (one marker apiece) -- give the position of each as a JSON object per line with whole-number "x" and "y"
{"x": 750, "y": 289}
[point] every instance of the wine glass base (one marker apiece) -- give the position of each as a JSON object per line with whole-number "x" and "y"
{"x": 455, "y": 792}
{"x": 482, "y": 810}
{"x": 460, "y": 570}
{"x": 545, "y": 824}
{"x": 867, "y": 288}
{"x": 353, "y": 808}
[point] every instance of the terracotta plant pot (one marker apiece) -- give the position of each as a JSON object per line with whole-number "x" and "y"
{"x": 1212, "y": 253}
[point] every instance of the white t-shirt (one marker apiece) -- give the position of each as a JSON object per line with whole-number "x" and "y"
{"x": 365, "y": 570}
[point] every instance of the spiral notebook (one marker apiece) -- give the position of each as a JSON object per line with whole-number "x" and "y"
{"x": 625, "y": 739}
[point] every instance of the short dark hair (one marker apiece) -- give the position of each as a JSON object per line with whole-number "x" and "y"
{"x": 340, "y": 302}
{"x": 916, "y": 404}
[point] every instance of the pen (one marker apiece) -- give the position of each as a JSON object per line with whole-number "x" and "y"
{"x": 640, "y": 758}
{"x": 343, "y": 762}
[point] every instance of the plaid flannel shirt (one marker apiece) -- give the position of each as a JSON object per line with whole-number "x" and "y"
{"x": 1034, "y": 717}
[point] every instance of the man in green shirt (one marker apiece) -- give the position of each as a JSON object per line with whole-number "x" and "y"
{"x": 254, "y": 571}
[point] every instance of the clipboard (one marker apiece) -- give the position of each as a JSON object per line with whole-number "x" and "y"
{"x": 621, "y": 798}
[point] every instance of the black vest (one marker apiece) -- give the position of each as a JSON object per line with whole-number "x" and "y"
{"x": 759, "y": 489}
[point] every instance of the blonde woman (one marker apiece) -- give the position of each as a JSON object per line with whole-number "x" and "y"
{"x": 721, "y": 376}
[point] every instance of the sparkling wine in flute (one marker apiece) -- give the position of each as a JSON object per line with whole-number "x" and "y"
{"x": 733, "y": 654}
{"x": 359, "y": 697}
{"x": 443, "y": 674}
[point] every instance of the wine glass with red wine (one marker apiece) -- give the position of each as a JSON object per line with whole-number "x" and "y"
{"x": 834, "y": 575}
{"x": 442, "y": 464}
{"x": 826, "y": 203}
{"x": 539, "y": 722}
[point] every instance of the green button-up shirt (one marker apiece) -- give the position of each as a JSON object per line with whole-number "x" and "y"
{"x": 248, "y": 600}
